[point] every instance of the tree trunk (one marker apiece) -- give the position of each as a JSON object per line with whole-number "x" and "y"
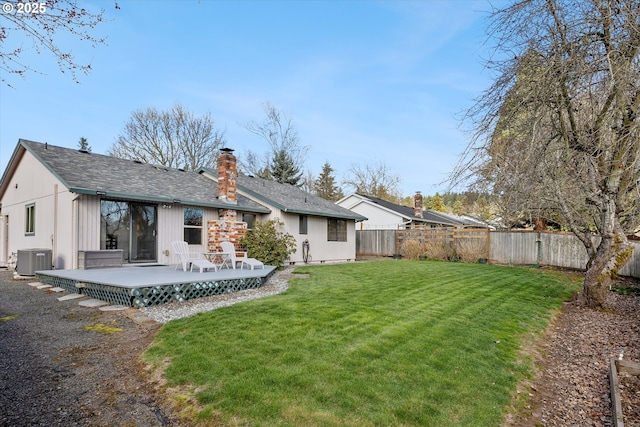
{"x": 613, "y": 253}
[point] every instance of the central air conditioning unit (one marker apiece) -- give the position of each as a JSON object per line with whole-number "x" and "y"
{"x": 31, "y": 260}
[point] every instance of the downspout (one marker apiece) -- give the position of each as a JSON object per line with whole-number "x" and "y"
{"x": 74, "y": 232}
{"x": 54, "y": 242}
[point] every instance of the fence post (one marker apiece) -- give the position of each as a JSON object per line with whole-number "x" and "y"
{"x": 488, "y": 244}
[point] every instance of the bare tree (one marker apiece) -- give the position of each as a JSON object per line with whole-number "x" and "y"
{"x": 175, "y": 138}
{"x": 373, "y": 180}
{"x": 559, "y": 128}
{"x": 285, "y": 159}
{"x": 44, "y": 24}
{"x": 308, "y": 183}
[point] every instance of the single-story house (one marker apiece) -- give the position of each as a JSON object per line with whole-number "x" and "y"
{"x": 328, "y": 229}
{"x": 384, "y": 215}
{"x": 73, "y": 201}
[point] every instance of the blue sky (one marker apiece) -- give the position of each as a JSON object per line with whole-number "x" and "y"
{"x": 365, "y": 82}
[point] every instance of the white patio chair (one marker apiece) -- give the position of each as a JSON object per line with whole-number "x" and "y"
{"x": 232, "y": 255}
{"x": 181, "y": 249}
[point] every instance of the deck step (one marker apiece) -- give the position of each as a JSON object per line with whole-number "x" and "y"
{"x": 71, "y": 296}
{"x": 118, "y": 307}
{"x": 92, "y": 303}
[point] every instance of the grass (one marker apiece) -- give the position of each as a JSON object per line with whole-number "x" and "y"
{"x": 105, "y": 329}
{"x": 365, "y": 344}
{"x": 626, "y": 290}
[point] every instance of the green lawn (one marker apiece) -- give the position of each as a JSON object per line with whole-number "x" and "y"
{"x": 388, "y": 343}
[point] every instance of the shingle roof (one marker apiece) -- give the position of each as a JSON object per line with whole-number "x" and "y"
{"x": 427, "y": 215}
{"x": 89, "y": 173}
{"x": 289, "y": 198}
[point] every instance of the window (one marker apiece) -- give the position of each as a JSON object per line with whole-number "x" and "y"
{"x": 30, "y": 219}
{"x": 336, "y": 230}
{"x": 303, "y": 224}
{"x": 193, "y": 226}
{"x": 250, "y": 219}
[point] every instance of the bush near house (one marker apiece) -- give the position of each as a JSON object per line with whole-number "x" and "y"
{"x": 266, "y": 243}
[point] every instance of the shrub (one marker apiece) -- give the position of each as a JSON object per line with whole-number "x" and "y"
{"x": 471, "y": 250}
{"x": 439, "y": 250}
{"x": 266, "y": 243}
{"x": 411, "y": 249}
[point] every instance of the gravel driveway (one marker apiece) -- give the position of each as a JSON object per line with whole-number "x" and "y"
{"x": 55, "y": 372}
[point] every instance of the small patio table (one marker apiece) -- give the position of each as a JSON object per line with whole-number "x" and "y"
{"x": 220, "y": 259}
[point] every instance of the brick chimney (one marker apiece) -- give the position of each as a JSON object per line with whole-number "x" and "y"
{"x": 417, "y": 205}
{"x": 226, "y": 228}
{"x": 227, "y": 172}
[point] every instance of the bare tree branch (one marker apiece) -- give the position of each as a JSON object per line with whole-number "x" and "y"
{"x": 43, "y": 24}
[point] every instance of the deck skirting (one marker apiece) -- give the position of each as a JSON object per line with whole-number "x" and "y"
{"x": 147, "y": 296}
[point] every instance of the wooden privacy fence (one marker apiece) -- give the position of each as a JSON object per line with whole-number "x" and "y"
{"x": 468, "y": 244}
{"x": 376, "y": 242}
{"x": 397, "y": 242}
{"x": 553, "y": 249}
{"x": 501, "y": 247}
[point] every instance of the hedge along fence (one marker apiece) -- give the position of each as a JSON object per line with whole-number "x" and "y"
{"x": 503, "y": 247}
{"x": 439, "y": 243}
{"x": 468, "y": 244}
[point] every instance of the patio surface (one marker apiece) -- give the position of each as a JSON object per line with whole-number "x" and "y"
{"x": 147, "y": 285}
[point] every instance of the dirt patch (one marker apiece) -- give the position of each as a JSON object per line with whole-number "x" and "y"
{"x": 571, "y": 386}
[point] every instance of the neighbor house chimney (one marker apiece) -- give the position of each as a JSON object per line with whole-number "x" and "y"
{"x": 417, "y": 205}
{"x": 227, "y": 177}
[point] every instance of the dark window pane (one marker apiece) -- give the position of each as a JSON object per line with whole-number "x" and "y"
{"x": 303, "y": 224}
{"x": 336, "y": 230}
{"x": 193, "y": 236}
{"x": 250, "y": 219}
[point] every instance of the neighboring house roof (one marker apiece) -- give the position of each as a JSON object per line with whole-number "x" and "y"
{"x": 428, "y": 216}
{"x": 88, "y": 173}
{"x": 288, "y": 198}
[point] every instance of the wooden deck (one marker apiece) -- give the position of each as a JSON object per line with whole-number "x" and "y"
{"x": 148, "y": 285}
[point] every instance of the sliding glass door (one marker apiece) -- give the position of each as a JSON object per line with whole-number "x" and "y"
{"x": 131, "y": 227}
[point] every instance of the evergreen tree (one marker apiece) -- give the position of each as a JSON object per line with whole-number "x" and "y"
{"x": 326, "y": 184}
{"x": 437, "y": 203}
{"x": 83, "y": 145}
{"x": 284, "y": 170}
{"x": 458, "y": 207}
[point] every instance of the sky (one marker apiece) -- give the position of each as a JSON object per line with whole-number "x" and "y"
{"x": 365, "y": 82}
